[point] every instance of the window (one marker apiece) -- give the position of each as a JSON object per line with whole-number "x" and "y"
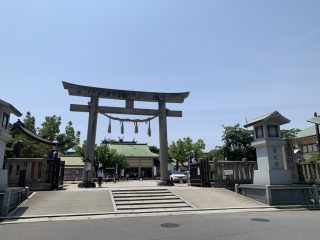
{"x": 5, "y": 120}
{"x": 315, "y": 148}
{"x": 304, "y": 149}
{"x": 18, "y": 170}
{"x": 259, "y": 132}
{"x": 273, "y": 131}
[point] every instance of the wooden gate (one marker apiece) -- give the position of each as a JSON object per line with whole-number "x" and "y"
{"x": 200, "y": 173}
{"x": 55, "y": 172}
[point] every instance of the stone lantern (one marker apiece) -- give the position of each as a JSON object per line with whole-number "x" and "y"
{"x": 5, "y": 110}
{"x": 268, "y": 144}
{"x": 272, "y": 183}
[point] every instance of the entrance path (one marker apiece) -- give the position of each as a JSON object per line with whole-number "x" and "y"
{"x": 73, "y": 200}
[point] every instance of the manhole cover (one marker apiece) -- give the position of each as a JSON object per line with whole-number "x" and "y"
{"x": 170, "y": 225}
{"x": 260, "y": 220}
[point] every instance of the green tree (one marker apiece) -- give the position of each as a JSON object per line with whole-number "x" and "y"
{"x": 50, "y": 128}
{"x": 107, "y": 156}
{"x": 30, "y": 122}
{"x": 198, "y": 148}
{"x": 69, "y": 139}
{"x": 49, "y": 131}
{"x": 29, "y": 148}
{"x": 314, "y": 157}
{"x": 216, "y": 153}
{"x": 81, "y": 150}
{"x": 183, "y": 147}
{"x": 154, "y": 149}
{"x": 237, "y": 143}
{"x": 289, "y": 134}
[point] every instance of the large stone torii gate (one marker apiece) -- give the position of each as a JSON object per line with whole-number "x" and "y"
{"x": 129, "y": 97}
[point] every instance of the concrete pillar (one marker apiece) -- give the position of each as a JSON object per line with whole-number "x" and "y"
{"x": 91, "y": 136}
{"x": 164, "y": 174}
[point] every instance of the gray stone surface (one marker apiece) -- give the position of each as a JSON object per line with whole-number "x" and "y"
{"x": 66, "y": 202}
{"x": 81, "y": 201}
{"x": 214, "y": 198}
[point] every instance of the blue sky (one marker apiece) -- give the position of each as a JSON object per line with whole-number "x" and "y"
{"x": 238, "y": 58}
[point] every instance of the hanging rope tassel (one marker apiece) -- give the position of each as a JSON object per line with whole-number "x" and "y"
{"x": 149, "y": 130}
{"x": 109, "y": 127}
{"x": 122, "y": 128}
{"x": 135, "y": 127}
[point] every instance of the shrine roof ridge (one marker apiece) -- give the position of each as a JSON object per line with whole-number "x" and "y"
{"x": 87, "y": 91}
{"x": 11, "y": 108}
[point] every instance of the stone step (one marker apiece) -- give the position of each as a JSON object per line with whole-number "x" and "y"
{"x": 142, "y": 198}
{"x": 140, "y": 190}
{"x": 147, "y": 200}
{"x": 138, "y": 202}
{"x": 153, "y": 206}
{"x": 141, "y": 195}
{"x": 155, "y": 210}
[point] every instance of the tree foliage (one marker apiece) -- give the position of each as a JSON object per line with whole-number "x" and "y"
{"x": 315, "y": 157}
{"x": 237, "y": 143}
{"x": 181, "y": 149}
{"x": 107, "y": 156}
{"x": 22, "y": 146}
{"x": 154, "y": 149}
{"x": 69, "y": 139}
{"x": 50, "y": 130}
{"x": 216, "y": 153}
{"x": 30, "y": 122}
{"x": 289, "y": 134}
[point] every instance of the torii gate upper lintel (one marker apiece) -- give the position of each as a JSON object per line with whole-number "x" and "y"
{"x": 130, "y": 97}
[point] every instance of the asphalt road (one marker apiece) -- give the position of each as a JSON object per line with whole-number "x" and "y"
{"x": 278, "y": 225}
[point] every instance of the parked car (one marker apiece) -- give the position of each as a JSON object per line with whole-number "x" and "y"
{"x": 187, "y": 173}
{"x": 177, "y": 176}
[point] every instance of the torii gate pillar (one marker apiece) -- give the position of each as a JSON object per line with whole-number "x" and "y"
{"x": 91, "y": 138}
{"x": 163, "y": 139}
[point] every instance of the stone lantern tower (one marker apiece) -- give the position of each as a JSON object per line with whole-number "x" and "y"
{"x": 272, "y": 183}
{"x": 268, "y": 144}
{"x": 5, "y": 110}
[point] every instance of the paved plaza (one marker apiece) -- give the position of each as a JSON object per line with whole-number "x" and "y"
{"x": 78, "y": 201}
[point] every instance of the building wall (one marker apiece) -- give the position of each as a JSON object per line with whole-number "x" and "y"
{"x": 142, "y": 167}
{"x": 37, "y": 174}
{"x": 73, "y": 173}
{"x": 307, "y": 144}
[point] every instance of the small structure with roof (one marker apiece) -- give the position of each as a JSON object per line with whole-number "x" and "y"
{"x": 272, "y": 183}
{"x": 268, "y": 144}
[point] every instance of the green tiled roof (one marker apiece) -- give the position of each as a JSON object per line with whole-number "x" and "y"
{"x": 72, "y": 161}
{"x": 134, "y": 150}
{"x": 311, "y": 131}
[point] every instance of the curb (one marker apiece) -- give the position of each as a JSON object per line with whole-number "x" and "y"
{"x": 282, "y": 207}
